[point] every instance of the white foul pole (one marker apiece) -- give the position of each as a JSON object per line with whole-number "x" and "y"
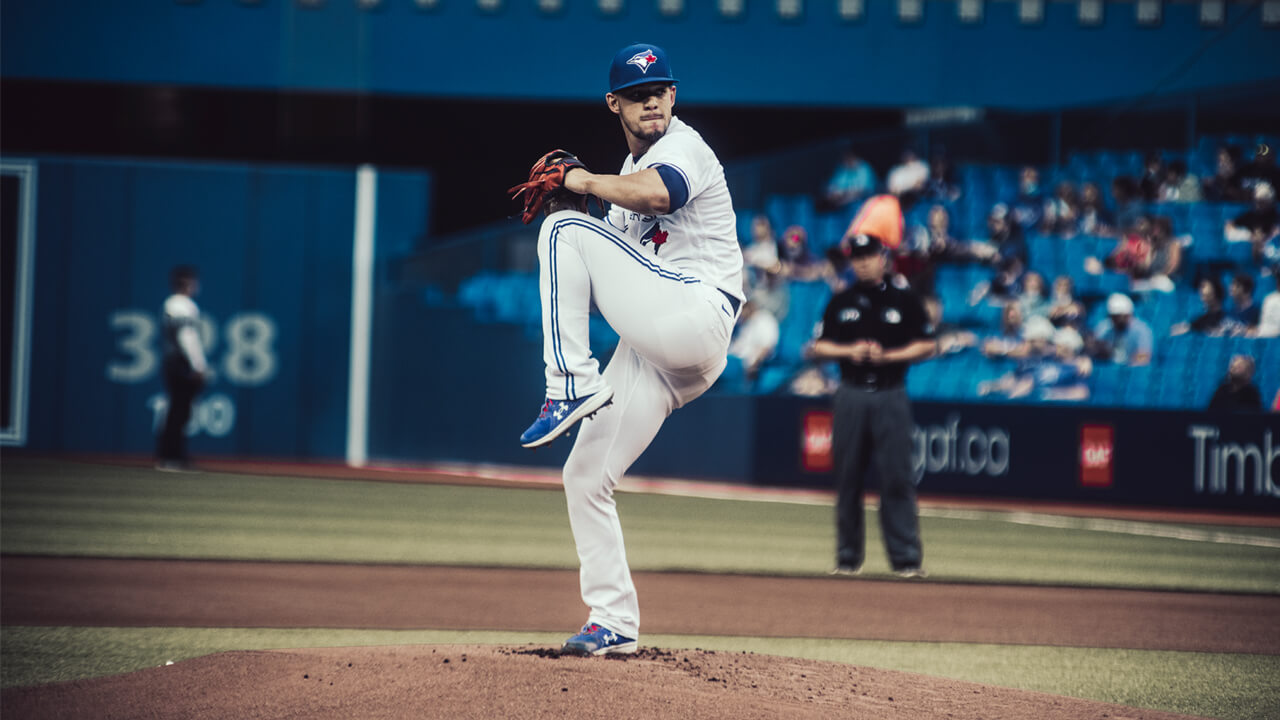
{"x": 361, "y": 316}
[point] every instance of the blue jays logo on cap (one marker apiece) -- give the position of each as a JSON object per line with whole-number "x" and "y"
{"x": 643, "y": 60}
{"x": 638, "y": 64}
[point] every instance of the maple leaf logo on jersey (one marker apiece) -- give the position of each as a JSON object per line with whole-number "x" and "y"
{"x": 643, "y": 60}
{"x": 656, "y": 235}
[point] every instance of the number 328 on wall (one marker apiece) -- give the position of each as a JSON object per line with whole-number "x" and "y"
{"x": 248, "y": 354}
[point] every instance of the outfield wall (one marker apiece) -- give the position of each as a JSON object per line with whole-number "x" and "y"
{"x": 274, "y": 246}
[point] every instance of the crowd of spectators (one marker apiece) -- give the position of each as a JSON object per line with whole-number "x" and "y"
{"x": 1044, "y": 326}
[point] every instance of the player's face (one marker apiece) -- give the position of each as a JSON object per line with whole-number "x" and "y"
{"x": 645, "y": 110}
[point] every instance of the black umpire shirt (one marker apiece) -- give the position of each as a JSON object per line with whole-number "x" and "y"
{"x": 889, "y": 315}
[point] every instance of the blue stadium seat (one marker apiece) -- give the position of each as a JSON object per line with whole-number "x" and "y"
{"x": 477, "y": 293}
{"x": 956, "y": 377}
{"x": 733, "y": 379}
{"x": 786, "y": 210}
{"x": 1138, "y": 389}
{"x": 1270, "y": 353}
{"x": 985, "y": 315}
{"x": 826, "y": 233}
{"x": 1179, "y": 350}
{"x": 517, "y": 300}
{"x": 1102, "y": 285}
{"x": 1268, "y": 374}
{"x": 1045, "y": 255}
{"x": 808, "y": 300}
{"x": 1204, "y": 380}
{"x": 1106, "y": 384}
{"x": 772, "y": 378}
{"x": 1175, "y": 390}
{"x": 745, "y": 218}
{"x": 1213, "y": 357}
{"x": 1239, "y": 253}
{"x": 921, "y": 379}
{"x": 1161, "y": 311}
{"x": 1074, "y": 252}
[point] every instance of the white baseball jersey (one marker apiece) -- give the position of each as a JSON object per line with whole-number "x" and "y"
{"x": 664, "y": 284}
{"x": 701, "y": 237}
{"x": 181, "y": 328}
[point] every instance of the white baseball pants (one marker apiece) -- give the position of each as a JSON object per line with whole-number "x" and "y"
{"x": 674, "y": 332}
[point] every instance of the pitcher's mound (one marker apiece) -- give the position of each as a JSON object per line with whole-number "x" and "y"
{"x": 473, "y": 681}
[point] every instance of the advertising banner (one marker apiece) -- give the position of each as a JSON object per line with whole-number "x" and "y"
{"x": 1188, "y": 459}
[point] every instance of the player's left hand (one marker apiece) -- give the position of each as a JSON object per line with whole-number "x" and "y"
{"x": 547, "y": 180}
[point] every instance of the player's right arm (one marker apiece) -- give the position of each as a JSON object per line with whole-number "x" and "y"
{"x": 644, "y": 192}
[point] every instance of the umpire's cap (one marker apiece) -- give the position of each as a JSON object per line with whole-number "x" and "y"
{"x": 862, "y": 245}
{"x": 639, "y": 64}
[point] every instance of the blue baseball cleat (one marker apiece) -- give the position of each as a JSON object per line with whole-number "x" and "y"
{"x": 558, "y": 416}
{"x": 599, "y": 640}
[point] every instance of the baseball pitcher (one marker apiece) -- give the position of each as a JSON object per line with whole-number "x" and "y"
{"x": 665, "y": 271}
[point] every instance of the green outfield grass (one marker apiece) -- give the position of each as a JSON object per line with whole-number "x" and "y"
{"x": 49, "y": 508}
{"x": 58, "y": 508}
{"x": 1232, "y": 687}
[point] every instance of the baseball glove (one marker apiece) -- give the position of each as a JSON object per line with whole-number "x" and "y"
{"x": 545, "y": 185}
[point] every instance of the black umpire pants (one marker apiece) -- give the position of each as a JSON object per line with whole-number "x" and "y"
{"x": 872, "y": 429}
{"x": 182, "y": 386}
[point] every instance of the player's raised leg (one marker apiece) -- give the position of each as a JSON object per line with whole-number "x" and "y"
{"x": 670, "y": 317}
{"x": 575, "y": 387}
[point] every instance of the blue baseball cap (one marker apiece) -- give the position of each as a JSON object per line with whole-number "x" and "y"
{"x": 639, "y": 64}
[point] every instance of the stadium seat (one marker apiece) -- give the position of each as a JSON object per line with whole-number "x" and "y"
{"x": 1106, "y": 383}
{"x": 1204, "y": 380}
{"x": 921, "y": 379}
{"x": 786, "y": 210}
{"x": 1175, "y": 390}
{"x": 1160, "y": 311}
{"x": 733, "y": 379}
{"x": 808, "y": 300}
{"x": 772, "y": 378}
{"x": 955, "y": 379}
{"x": 517, "y": 300}
{"x": 745, "y": 218}
{"x": 1073, "y": 253}
{"x": 1239, "y": 254}
{"x": 477, "y": 293}
{"x": 1215, "y": 352}
{"x": 826, "y": 233}
{"x": 1270, "y": 353}
{"x": 1044, "y": 255}
{"x": 1138, "y": 389}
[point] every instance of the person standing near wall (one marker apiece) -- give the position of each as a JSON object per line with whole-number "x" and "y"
{"x": 875, "y": 330}
{"x": 185, "y": 369}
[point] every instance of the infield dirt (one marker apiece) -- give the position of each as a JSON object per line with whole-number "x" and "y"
{"x": 473, "y": 682}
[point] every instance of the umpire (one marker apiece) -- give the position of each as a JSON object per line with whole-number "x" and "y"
{"x": 875, "y": 330}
